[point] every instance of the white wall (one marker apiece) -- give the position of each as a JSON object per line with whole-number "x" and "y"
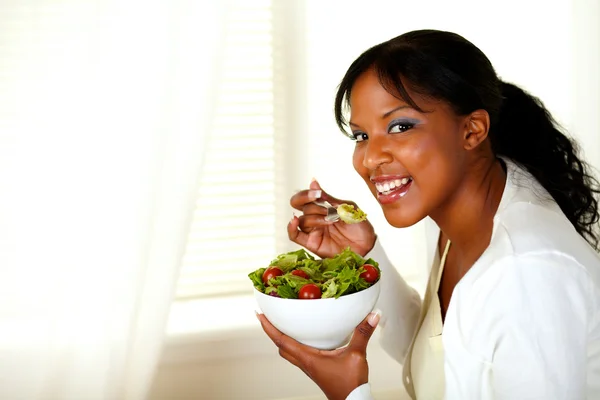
{"x": 550, "y": 48}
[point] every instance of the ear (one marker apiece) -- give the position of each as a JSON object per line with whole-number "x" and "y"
{"x": 477, "y": 126}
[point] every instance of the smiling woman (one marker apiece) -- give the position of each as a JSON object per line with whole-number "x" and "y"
{"x": 454, "y": 99}
{"x": 424, "y": 141}
{"x": 516, "y": 273}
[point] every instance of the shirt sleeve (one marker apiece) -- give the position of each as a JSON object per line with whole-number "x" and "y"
{"x": 400, "y": 307}
{"x": 363, "y": 392}
{"x": 521, "y": 332}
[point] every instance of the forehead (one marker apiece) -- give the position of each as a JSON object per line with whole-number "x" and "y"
{"x": 369, "y": 97}
{"x": 368, "y": 92}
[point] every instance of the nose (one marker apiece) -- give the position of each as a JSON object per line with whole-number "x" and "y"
{"x": 376, "y": 153}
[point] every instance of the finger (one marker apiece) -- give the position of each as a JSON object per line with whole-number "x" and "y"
{"x": 290, "y": 358}
{"x": 303, "y": 197}
{"x": 310, "y": 222}
{"x": 332, "y": 353}
{"x": 295, "y": 349}
{"x": 314, "y": 192}
{"x": 364, "y": 331}
{"x": 315, "y": 185}
{"x": 312, "y": 208}
{"x": 295, "y": 234}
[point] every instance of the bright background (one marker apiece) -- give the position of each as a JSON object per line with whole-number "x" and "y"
{"x": 148, "y": 150}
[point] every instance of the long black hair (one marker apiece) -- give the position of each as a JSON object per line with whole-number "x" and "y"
{"x": 446, "y": 66}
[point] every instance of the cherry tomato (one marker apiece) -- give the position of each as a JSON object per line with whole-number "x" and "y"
{"x": 300, "y": 273}
{"x": 271, "y": 273}
{"x": 309, "y": 291}
{"x": 371, "y": 274}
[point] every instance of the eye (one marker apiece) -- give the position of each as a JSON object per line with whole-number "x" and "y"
{"x": 399, "y": 127}
{"x": 359, "y": 136}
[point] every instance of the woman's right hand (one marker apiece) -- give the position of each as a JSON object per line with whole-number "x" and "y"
{"x": 324, "y": 238}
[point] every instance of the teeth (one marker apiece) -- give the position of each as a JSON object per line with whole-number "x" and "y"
{"x": 387, "y": 187}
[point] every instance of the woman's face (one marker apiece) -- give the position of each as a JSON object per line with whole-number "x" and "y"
{"x": 413, "y": 162}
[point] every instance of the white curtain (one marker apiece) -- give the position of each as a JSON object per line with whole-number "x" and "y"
{"x": 103, "y": 105}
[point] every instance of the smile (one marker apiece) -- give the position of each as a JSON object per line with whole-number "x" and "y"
{"x": 388, "y": 186}
{"x": 391, "y": 189}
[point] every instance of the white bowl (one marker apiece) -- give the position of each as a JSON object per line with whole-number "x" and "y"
{"x": 322, "y": 323}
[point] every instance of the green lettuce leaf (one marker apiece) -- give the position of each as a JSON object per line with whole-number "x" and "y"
{"x": 256, "y": 278}
{"x": 286, "y": 262}
{"x": 329, "y": 289}
{"x": 346, "y": 258}
{"x": 347, "y": 278}
{"x": 286, "y": 292}
{"x": 360, "y": 284}
{"x": 295, "y": 282}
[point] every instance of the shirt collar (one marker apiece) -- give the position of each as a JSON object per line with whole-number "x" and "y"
{"x": 521, "y": 186}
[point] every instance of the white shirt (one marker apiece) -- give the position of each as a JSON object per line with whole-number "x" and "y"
{"x": 524, "y": 322}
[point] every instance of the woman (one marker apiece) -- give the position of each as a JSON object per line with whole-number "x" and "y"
{"x": 512, "y": 308}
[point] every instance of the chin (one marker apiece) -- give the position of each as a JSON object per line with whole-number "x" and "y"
{"x": 402, "y": 219}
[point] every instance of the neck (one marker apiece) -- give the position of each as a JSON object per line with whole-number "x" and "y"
{"x": 467, "y": 218}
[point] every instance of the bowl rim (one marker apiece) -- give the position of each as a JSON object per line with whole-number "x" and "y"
{"x": 330, "y": 298}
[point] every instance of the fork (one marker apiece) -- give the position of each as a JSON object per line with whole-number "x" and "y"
{"x": 332, "y": 215}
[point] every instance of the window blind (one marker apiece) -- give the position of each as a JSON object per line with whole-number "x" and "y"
{"x": 233, "y": 227}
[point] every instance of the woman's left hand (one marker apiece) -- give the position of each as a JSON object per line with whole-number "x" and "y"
{"x": 337, "y": 372}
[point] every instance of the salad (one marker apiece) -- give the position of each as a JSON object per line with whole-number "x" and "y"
{"x": 299, "y": 275}
{"x": 351, "y": 214}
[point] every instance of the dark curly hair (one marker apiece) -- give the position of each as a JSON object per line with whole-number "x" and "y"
{"x": 446, "y": 66}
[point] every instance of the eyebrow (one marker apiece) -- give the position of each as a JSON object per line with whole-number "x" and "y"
{"x": 387, "y": 114}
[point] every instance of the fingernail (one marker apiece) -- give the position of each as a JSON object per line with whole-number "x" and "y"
{"x": 374, "y": 317}
{"x": 314, "y": 194}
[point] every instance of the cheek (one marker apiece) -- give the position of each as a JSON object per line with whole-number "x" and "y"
{"x": 434, "y": 165}
{"x": 420, "y": 156}
{"x": 357, "y": 161}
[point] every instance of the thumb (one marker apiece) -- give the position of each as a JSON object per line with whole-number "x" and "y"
{"x": 314, "y": 185}
{"x": 364, "y": 331}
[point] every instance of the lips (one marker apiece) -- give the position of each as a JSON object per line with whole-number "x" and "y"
{"x": 391, "y": 188}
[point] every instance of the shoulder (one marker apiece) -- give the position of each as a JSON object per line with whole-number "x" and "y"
{"x": 527, "y": 321}
{"x": 523, "y": 297}
{"x": 516, "y": 282}
{"x": 529, "y": 222}
{"x": 535, "y": 277}
{"x": 535, "y": 259}
{"x": 529, "y": 237}
{"x": 537, "y": 271}
{"x": 531, "y": 227}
